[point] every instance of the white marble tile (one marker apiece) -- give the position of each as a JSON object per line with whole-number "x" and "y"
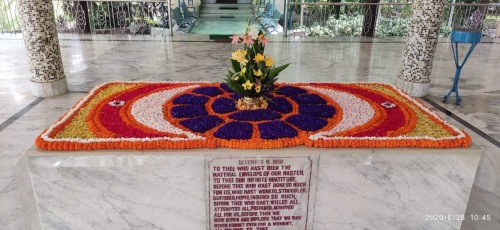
{"x": 385, "y": 189}
{"x": 14, "y": 140}
{"x": 11, "y": 213}
{"x": 88, "y": 63}
{"x": 482, "y": 204}
{"x": 368, "y": 188}
{"x": 119, "y": 193}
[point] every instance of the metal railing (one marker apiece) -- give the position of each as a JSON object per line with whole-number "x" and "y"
{"x": 98, "y": 17}
{"x": 383, "y": 19}
{"x": 150, "y": 17}
{"x": 111, "y": 17}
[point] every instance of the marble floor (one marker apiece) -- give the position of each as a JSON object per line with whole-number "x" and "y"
{"x": 89, "y": 61}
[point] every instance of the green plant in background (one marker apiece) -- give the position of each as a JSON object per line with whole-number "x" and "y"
{"x": 319, "y": 31}
{"x": 346, "y": 25}
{"x": 445, "y": 30}
{"x": 387, "y": 27}
{"x": 8, "y": 20}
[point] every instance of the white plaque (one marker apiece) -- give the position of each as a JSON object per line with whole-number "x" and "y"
{"x": 259, "y": 193}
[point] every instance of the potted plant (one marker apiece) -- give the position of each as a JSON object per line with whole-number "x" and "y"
{"x": 253, "y": 74}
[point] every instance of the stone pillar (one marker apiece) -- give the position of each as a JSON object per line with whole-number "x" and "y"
{"x": 498, "y": 29}
{"x": 420, "y": 47}
{"x": 42, "y": 45}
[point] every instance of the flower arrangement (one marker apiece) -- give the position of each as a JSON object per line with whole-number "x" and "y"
{"x": 253, "y": 74}
{"x": 178, "y": 115}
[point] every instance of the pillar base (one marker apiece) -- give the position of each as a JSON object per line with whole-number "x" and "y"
{"x": 414, "y": 89}
{"x": 49, "y": 89}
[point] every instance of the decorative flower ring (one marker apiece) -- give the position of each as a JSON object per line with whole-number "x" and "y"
{"x": 166, "y": 115}
{"x": 116, "y": 103}
{"x": 211, "y": 110}
{"x": 388, "y": 104}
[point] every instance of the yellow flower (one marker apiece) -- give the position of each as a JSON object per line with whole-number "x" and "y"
{"x": 247, "y": 85}
{"x": 259, "y": 57}
{"x": 243, "y": 71}
{"x": 240, "y": 56}
{"x": 236, "y": 78}
{"x": 269, "y": 62}
{"x": 261, "y": 36}
{"x": 257, "y": 73}
{"x": 257, "y": 88}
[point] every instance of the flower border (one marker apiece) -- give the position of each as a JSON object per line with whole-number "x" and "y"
{"x": 46, "y": 141}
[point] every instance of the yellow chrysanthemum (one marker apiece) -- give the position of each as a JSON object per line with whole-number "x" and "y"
{"x": 269, "y": 62}
{"x": 247, "y": 85}
{"x": 257, "y": 73}
{"x": 240, "y": 56}
{"x": 261, "y": 36}
{"x": 259, "y": 57}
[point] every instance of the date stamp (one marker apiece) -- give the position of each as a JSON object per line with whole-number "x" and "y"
{"x": 454, "y": 217}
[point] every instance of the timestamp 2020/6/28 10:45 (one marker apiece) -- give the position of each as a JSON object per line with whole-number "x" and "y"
{"x": 440, "y": 217}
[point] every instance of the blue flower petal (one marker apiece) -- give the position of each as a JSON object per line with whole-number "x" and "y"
{"x": 187, "y": 111}
{"x": 276, "y": 129}
{"x": 208, "y": 91}
{"x": 226, "y": 88}
{"x": 201, "y": 124}
{"x": 224, "y": 105}
{"x": 325, "y": 111}
{"x": 306, "y": 122}
{"x": 255, "y": 115}
{"x": 235, "y": 130}
{"x": 236, "y": 96}
{"x": 190, "y": 99}
{"x": 280, "y": 104}
{"x": 308, "y": 99}
{"x": 290, "y": 90}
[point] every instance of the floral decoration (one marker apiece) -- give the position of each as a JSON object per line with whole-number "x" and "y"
{"x": 253, "y": 73}
{"x": 166, "y": 115}
{"x": 388, "y": 104}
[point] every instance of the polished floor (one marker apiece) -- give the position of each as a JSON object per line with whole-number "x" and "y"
{"x": 89, "y": 62}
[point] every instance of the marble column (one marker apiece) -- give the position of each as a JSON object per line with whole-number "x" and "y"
{"x": 421, "y": 47}
{"x": 498, "y": 30}
{"x": 42, "y": 45}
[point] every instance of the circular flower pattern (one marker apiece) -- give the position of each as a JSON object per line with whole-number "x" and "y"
{"x": 165, "y": 115}
{"x": 291, "y": 111}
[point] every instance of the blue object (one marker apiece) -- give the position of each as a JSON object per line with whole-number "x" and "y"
{"x": 472, "y": 37}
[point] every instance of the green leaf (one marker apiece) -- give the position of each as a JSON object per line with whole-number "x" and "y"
{"x": 274, "y": 72}
{"x": 236, "y": 65}
{"x": 257, "y": 49}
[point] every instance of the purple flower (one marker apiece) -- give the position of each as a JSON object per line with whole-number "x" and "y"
{"x": 224, "y": 105}
{"x": 226, "y": 88}
{"x": 276, "y": 130}
{"x": 190, "y": 99}
{"x": 290, "y": 90}
{"x": 235, "y": 130}
{"x": 208, "y": 91}
{"x": 308, "y": 99}
{"x": 325, "y": 111}
{"x": 201, "y": 124}
{"x": 280, "y": 104}
{"x": 306, "y": 122}
{"x": 186, "y": 111}
{"x": 255, "y": 115}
